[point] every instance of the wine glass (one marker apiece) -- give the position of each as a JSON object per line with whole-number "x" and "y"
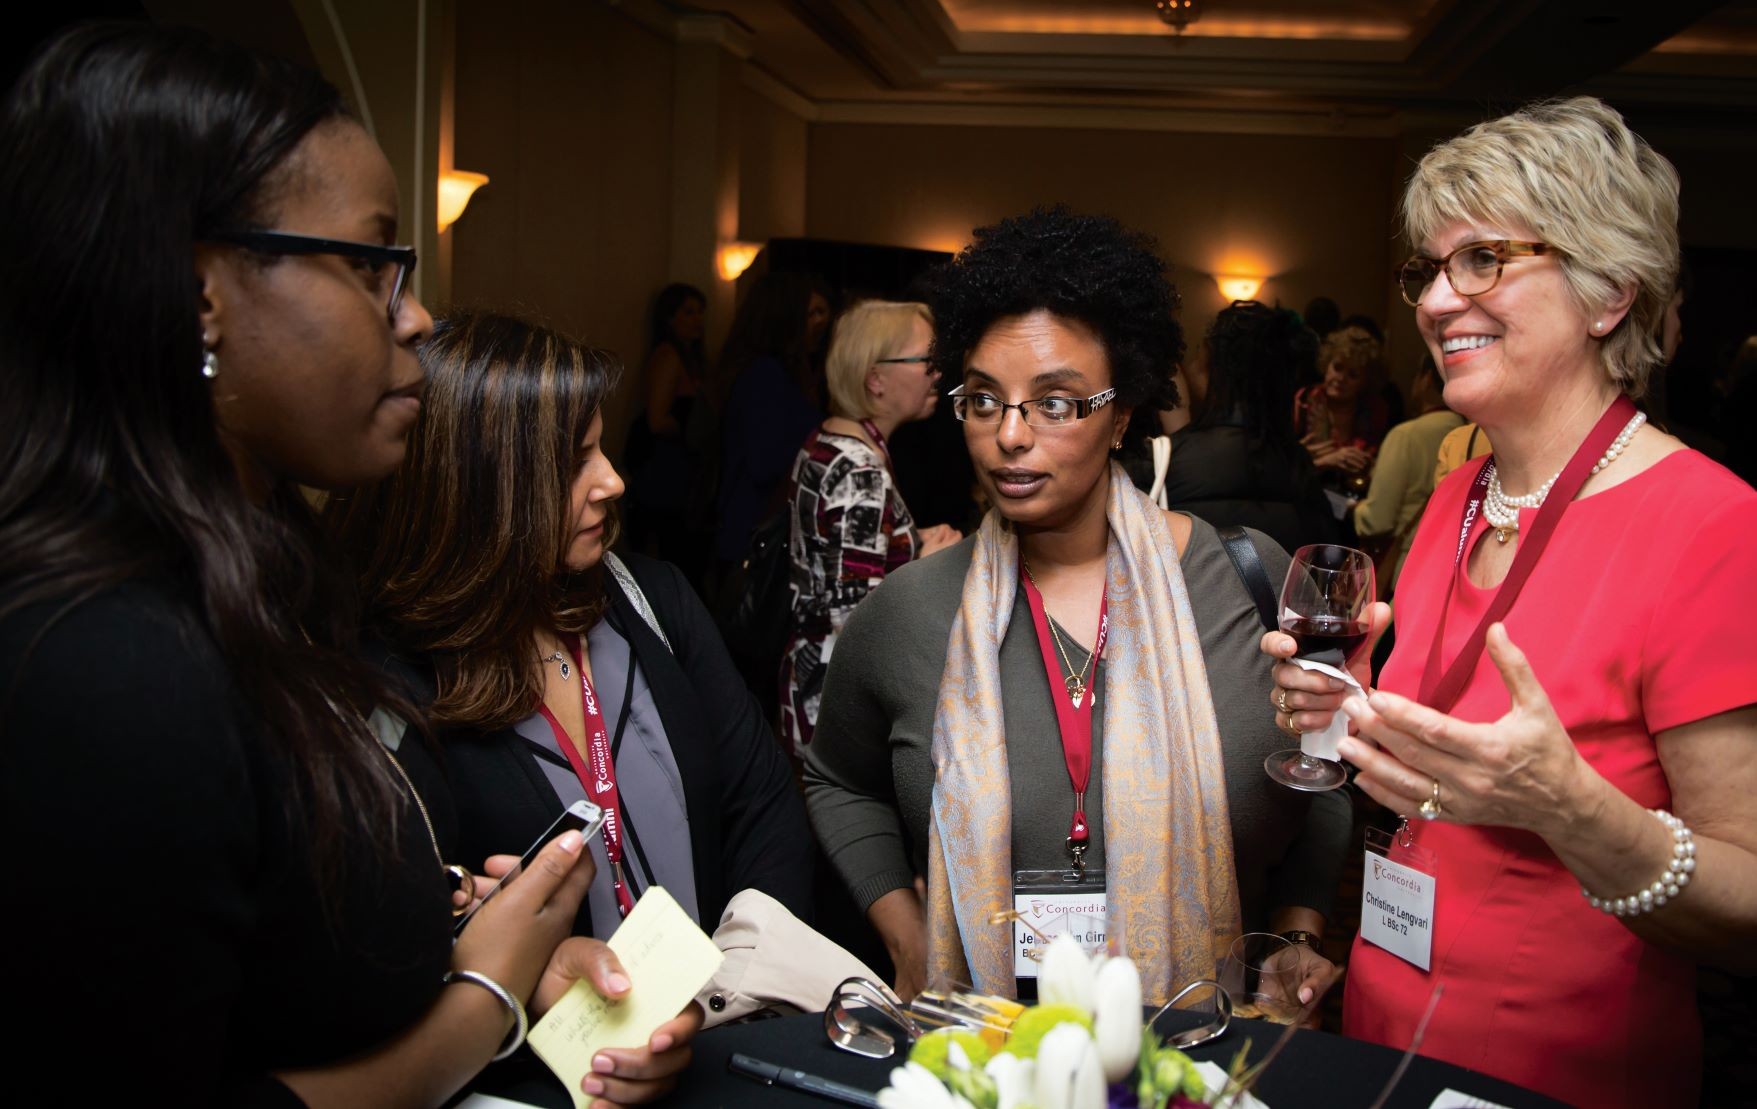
{"x": 1324, "y": 607}
{"x": 1261, "y": 974}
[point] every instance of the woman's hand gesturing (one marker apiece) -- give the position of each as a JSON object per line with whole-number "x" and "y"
{"x": 1521, "y": 771}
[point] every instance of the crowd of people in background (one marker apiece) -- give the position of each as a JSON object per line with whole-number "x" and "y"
{"x": 325, "y": 609}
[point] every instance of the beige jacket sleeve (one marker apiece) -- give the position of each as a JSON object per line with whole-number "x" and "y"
{"x": 773, "y": 961}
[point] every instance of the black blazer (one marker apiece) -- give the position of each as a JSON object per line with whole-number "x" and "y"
{"x": 747, "y": 824}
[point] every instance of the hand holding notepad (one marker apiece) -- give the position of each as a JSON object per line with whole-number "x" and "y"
{"x": 667, "y": 958}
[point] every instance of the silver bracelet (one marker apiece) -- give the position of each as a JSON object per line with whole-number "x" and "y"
{"x": 520, "y": 1023}
{"x": 1677, "y": 875}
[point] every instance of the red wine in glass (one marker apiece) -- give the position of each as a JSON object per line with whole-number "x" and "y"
{"x": 1315, "y": 634}
{"x": 1324, "y": 607}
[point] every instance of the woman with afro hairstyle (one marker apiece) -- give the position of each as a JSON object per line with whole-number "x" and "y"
{"x": 1052, "y": 693}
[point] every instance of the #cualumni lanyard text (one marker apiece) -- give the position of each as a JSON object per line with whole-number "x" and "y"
{"x": 598, "y": 779}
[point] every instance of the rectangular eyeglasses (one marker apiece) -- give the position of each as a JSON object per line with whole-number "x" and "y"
{"x": 382, "y": 258}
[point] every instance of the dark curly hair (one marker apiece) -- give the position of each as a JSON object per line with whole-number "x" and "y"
{"x": 1085, "y": 268}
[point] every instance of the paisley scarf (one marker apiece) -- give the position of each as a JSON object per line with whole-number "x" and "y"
{"x": 1170, "y": 880}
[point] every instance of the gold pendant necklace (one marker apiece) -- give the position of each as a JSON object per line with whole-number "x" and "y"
{"x": 457, "y": 875}
{"x": 1076, "y": 679}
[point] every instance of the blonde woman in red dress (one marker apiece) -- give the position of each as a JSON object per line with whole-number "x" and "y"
{"x": 1584, "y": 757}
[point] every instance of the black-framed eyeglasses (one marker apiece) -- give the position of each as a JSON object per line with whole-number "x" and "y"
{"x": 985, "y": 408}
{"x": 1473, "y": 269}
{"x": 382, "y": 259}
{"x": 912, "y": 360}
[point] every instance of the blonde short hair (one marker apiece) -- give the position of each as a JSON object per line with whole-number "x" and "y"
{"x": 1353, "y": 348}
{"x": 1572, "y": 172}
{"x": 865, "y": 333}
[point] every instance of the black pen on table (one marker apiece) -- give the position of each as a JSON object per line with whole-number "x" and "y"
{"x": 771, "y": 1074}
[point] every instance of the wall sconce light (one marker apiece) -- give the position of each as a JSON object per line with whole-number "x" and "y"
{"x": 455, "y": 189}
{"x": 1237, "y": 286}
{"x": 734, "y": 258}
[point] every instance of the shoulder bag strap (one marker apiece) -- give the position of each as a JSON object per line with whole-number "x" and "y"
{"x": 632, "y": 590}
{"x": 1243, "y": 553}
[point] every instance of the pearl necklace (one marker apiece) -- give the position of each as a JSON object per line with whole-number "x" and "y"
{"x": 1502, "y": 511}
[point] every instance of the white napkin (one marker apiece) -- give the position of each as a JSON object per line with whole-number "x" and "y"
{"x": 1215, "y": 1079}
{"x": 1322, "y": 745}
{"x": 1452, "y": 1099}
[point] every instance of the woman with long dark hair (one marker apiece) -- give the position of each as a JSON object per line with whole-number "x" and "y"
{"x": 669, "y": 490}
{"x": 486, "y": 559}
{"x": 766, "y": 376}
{"x": 1239, "y": 462}
{"x": 200, "y": 311}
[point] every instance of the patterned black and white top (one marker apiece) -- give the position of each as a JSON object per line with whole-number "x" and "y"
{"x": 850, "y": 528}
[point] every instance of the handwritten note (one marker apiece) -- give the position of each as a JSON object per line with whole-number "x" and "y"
{"x": 668, "y": 959}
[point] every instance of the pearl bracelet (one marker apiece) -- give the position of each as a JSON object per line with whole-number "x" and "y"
{"x": 1677, "y": 875}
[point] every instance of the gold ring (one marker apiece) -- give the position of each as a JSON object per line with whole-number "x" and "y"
{"x": 460, "y": 878}
{"x": 1287, "y": 727}
{"x": 1430, "y": 809}
{"x": 1281, "y": 703}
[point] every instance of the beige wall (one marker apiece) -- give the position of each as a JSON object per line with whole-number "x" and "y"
{"x": 1312, "y": 212}
{"x": 772, "y": 170}
{"x": 573, "y": 128}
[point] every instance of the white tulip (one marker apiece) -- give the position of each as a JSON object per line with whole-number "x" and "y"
{"x": 1117, "y": 1019}
{"x": 1066, "y": 978}
{"x": 1069, "y": 1074}
{"x": 1014, "y": 1080}
{"x": 913, "y": 1086}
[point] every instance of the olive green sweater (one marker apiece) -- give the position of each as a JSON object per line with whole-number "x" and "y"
{"x": 869, "y": 770}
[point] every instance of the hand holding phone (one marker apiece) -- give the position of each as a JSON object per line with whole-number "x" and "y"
{"x": 582, "y": 816}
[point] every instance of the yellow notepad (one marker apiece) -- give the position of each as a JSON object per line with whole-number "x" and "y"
{"x": 668, "y": 959}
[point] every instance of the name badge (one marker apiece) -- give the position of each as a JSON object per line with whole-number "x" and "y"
{"x": 1048, "y": 904}
{"x": 1397, "y": 903}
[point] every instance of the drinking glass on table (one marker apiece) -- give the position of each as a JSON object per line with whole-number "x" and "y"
{"x": 1324, "y": 607}
{"x": 1261, "y": 974}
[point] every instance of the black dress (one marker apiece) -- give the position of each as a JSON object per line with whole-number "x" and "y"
{"x": 1216, "y": 473}
{"x": 163, "y": 900}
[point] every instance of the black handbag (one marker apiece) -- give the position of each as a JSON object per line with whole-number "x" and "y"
{"x": 756, "y": 610}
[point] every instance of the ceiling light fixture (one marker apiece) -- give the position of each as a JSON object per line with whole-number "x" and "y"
{"x": 1178, "y": 14}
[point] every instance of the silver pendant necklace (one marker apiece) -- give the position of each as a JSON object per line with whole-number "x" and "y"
{"x": 566, "y": 667}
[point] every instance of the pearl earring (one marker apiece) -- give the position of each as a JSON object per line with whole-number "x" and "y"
{"x": 1599, "y": 326}
{"x": 210, "y": 365}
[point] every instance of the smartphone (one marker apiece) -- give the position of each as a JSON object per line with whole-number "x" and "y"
{"x": 582, "y": 816}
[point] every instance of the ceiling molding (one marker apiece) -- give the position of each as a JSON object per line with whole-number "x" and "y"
{"x": 887, "y": 60}
{"x": 725, "y": 31}
{"x": 778, "y": 92}
{"x": 1320, "y": 122}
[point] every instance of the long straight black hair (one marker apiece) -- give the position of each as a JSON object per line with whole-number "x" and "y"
{"x": 121, "y": 147}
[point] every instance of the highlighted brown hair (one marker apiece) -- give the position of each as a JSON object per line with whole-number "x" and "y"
{"x": 461, "y": 552}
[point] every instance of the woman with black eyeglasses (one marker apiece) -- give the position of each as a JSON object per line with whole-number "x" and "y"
{"x": 849, "y": 526}
{"x": 200, "y": 312}
{"x": 1569, "y": 713}
{"x": 1070, "y": 690}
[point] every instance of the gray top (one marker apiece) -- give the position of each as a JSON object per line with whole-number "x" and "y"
{"x": 869, "y": 769}
{"x": 647, "y": 781}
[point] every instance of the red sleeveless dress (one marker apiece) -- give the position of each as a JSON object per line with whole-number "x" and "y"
{"x": 1636, "y": 620}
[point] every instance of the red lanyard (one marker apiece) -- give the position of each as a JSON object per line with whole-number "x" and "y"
{"x": 1074, "y": 721}
{"x": 1440, "y": 691}
{"x": 872, "y": 429}
{"x": 599, "y": 780}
